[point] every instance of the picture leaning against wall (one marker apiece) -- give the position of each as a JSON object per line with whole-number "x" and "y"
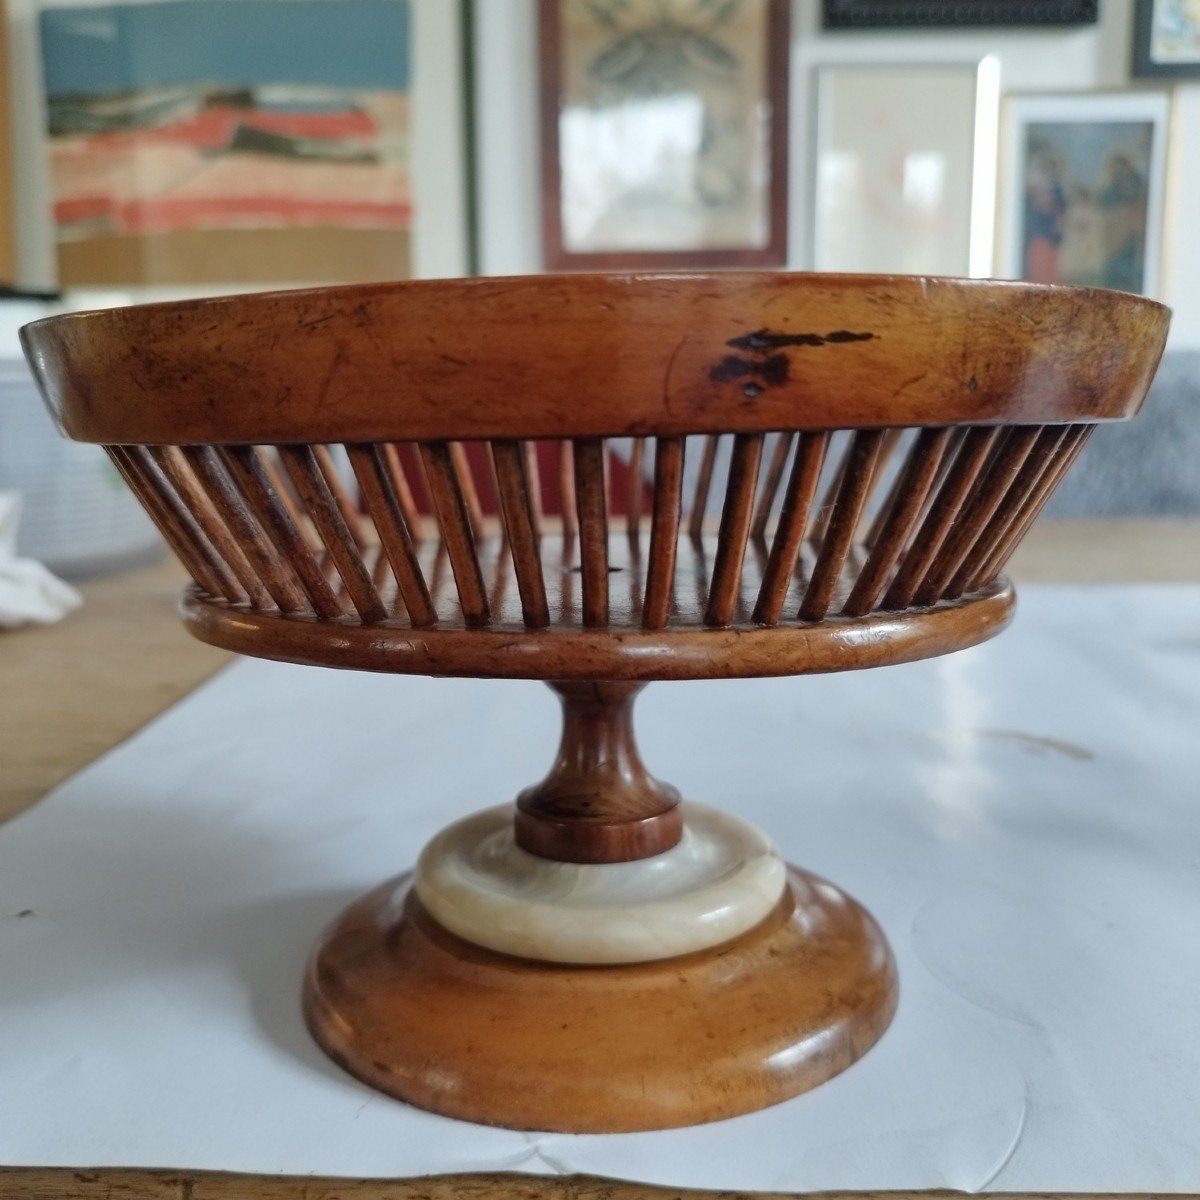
{"x": 1084, "y": 190}
{"x": 664, "y": 132}
{"x": 198, "y": 141}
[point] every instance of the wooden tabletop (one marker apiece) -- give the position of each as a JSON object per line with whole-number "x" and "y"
{"x": 71, "y": 691}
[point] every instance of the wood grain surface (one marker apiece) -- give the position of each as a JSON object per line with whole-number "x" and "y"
{"x": 418, "y": 1013}
{"x": 598, "y": 803}
{"x": 71, "y": 691}
{"x": 687, "y": 649}
{"x": 596, "y": 356}
{"x": 32, "y": 1183}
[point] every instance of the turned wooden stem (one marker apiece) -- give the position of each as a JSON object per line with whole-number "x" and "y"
{"x": 599, "y": 803}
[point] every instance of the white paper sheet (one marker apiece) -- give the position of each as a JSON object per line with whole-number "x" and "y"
{"x": 1023, "y": 819}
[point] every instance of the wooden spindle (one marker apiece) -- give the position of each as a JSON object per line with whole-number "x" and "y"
{"x": 664, "y": 531}
{"x": 634, "y": 489}
{"x": 1010, "y": 453}
{"x": 736, "y": 515}
{"x": 907, "y": 500}
{"x": 458, "y": 536}
{"x": 502, "y": 532}
{"x": 566, "y": 487}
{"x": 174, "y": 522}
{"x": 501, "y": 569}
{"x": 793, "y": 520}
{"x": 516, "y": 507}
{"x": 598, "y": 804}
{"x": 380, "y": 567}
{"x": 304, "y": 470}
{"x": 400, "y": 487}
{"x": 944, "y": 510}
{"x": 1068, "y": 452}
{"x": 891, "y": 439}
{"x": 824, "y": 510}
{"x": 703, "y": 484}
{"x": 177, "y": 468}
{"x": 268, "y": 456}
{"x": 274, "y": 571}
{"x": 953, "y": 448}
{"x": 1042, "y": 459}
{"x": 374, "y": 468}
{"x": 250, "y": 474}
{"x": 858, "y": 474}
{"x": 533, "y": 484}
{"x": 461, "y": 466}
{"x": 766, "y": 499}
{"x": 349, "y": 510}
{"x": 592, "y": 510}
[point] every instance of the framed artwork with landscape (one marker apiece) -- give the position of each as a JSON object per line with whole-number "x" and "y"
{"x": 1166, "y": 39}
{"x": 249, "y": 142}
{"x": 664, "y": 133}
{"x": 1083, "y": 197}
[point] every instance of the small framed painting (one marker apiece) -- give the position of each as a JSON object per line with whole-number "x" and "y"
{"x": 1083, "y": 196}
{"x": 1166, "y": 39}
{"x": 905, "y": 178}
{"x": 882, "y": 14}
{"x": 232, "y": 143}
{"x": 664, "y": 133}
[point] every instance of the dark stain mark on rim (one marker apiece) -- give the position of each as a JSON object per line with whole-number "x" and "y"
{"x": 764, "y": 339}
{"x": 772, "y": 370}
{"x": 767, "y": 367}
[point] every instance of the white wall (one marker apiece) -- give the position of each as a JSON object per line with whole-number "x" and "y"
{"x": 1039, "y": 60}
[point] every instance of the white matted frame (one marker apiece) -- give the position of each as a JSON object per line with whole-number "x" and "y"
{"x": 904, "y": 168}
{"x": 1083, "y": 189}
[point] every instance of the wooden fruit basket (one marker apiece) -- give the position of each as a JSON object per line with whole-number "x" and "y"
{"x": 872, "y": 451}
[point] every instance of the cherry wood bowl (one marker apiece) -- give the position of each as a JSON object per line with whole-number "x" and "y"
{"x": 871, "y": 451}
{"x": 692, "y": 476}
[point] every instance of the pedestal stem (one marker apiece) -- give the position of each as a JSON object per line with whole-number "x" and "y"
{"x": 599, "y": 803}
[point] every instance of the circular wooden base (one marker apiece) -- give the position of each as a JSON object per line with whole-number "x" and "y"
{"x": 431, "y": 1019}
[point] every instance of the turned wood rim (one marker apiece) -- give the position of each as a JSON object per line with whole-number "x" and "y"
{"x": 594, "y": 356}
{"x": 835, "y": 644}
{"x": 796, "y": 1000}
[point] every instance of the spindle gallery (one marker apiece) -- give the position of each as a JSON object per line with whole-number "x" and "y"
{"x": 597, "y": 954}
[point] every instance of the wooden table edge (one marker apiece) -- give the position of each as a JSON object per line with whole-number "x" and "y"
{"x": 122, "y": 1183}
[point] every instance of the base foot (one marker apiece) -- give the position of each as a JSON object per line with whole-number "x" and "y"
{"x": 422, "y": 1015}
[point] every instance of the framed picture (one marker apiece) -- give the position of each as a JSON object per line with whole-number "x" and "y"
{"x": 880, "y": 14}
{"x": 664, "y": 133}
{"x": 1166, "y": 39}
{"x": 231, "y": 142}
{"x": 8, "y": 241}
{"x": 1084, "y": 185}
{"x": 905, "y": 175}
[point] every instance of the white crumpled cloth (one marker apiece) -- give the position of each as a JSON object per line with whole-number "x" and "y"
{"x": 29, "y": 594}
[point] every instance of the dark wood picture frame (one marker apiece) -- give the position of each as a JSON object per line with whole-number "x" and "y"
{"x": 1144, "y": 65}
{"x": 884, "y": 14}
{"x": 773, "y": 253}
